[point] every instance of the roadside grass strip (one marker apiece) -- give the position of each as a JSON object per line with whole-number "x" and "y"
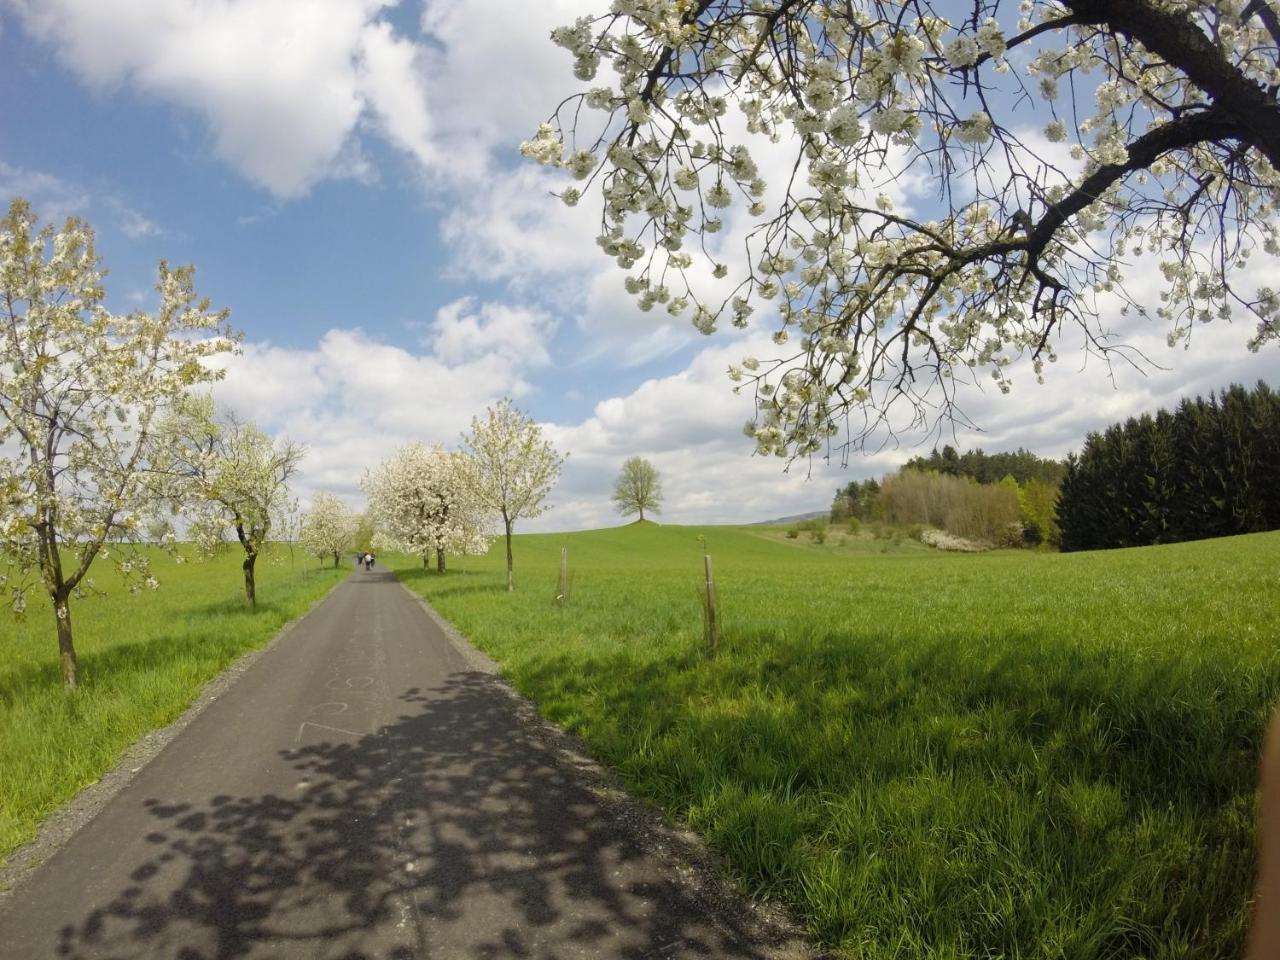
{"x": 1012, "y": 754}
{"x": 143, "y": 660}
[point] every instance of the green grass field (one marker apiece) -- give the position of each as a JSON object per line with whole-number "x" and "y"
{"x": 142, "y": 661}
{"x": 923, "y": 755}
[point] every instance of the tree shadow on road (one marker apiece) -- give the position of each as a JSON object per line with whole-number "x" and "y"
{"x": 453, "y": 832}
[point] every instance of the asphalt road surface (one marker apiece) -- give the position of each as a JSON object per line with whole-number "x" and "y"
{"x": 362, "y": 792}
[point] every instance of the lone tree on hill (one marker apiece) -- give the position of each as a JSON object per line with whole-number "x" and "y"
{"x": 515, "y": 467}
{"x": 638, "y": 488}
{"x": 82, "y": 391}
{"x": 1169, "y": 126}
{"x": 329, "y": 527}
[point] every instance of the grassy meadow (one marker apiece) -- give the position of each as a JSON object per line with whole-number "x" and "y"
{"x": 923, "y": 755}
{"x": 142, "y": 658}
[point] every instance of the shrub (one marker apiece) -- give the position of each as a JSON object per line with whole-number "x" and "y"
{"x": 945, "y": 541}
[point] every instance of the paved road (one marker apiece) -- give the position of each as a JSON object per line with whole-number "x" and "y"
{"x": 361, "y": 793}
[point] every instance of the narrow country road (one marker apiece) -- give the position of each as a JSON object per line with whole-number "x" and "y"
{"x": 362, "y": 792}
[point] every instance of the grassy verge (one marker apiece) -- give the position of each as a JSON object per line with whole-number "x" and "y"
{"x": 142, "y": 659}
{"x": 1013, "y": 754}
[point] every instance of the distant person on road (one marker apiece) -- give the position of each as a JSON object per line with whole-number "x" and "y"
{"x": 368, "y": 561}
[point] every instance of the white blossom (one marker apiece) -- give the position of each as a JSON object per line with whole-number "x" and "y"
{"x": 863, "y": 93}
{"x": 515, "y": 468}
{"x": 82, "y": 393}
{"x": 425, "y": 501}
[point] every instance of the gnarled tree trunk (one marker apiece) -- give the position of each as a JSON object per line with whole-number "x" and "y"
{"x": 250, "y": 592}
{"x": 439, "y": 559}
{"x": 66, "y": 649}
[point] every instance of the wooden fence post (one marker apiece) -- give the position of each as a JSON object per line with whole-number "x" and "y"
{"x": 712, "y": 636}
{"x": 562, "y": 593}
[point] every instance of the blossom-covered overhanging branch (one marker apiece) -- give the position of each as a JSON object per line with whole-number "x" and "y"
{"x": 1169, "y": 109}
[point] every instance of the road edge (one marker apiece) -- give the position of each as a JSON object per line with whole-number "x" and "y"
{"x": 58, "y": 829}
{"x": 696, "y": 866}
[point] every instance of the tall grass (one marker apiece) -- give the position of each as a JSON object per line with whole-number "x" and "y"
{"x": 1006, "y": 755}
{"x": 142, "y": 659}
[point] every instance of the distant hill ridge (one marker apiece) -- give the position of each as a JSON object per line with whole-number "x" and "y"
{"x": 816, "y": 514}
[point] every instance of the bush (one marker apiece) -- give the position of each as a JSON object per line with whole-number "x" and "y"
{"x": 792, "y": 533}
{"x": 855, "y": 525}
{"x": 817, "y": 530}
{"x": 945, "y": 541}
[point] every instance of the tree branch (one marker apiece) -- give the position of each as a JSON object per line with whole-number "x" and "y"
{"x": 1175, "y": 37}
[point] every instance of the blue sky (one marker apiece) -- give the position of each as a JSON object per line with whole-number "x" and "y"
{"x": 344, "y": 174}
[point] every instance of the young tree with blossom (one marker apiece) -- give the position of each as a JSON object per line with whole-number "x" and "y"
{"x": 1169, "y": 125}
{"x": 515, "y": 467}
{"x": 82, "y": 393}
{"x": 329, "y": 527}
{"x": 230, "y": 474}
{"x": 424, "y": 501}
{"x": 638, "y": 488}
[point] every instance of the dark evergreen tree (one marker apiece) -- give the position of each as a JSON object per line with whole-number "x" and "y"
{"x": 1211, "y": 468}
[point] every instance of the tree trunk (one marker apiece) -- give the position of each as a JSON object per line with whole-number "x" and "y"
{"x": 250, "y": 594}
{"x": 511, "y": 583}
{"x": 62, "y": 612}
{"x": 642, "y": 514}
{"x": 426, "y": 561}
{"x": 439, "y": 559}
{"x": 335, "y": 559}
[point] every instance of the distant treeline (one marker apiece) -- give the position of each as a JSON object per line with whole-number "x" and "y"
{"x": 1008, "y": 513}
{"x": 1021, "y": 464}
{"x": 1209, "y": 469}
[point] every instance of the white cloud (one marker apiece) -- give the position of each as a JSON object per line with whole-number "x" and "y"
{"x": 53, "y": 198}
{"x": 464, "y": 330}
{"x": 352, "y": 399}
{"x": 281, "y": 83}
{"x": 132, "y": 223}
{"x": 392, "y": 81}
{"x": 494, "y": 73}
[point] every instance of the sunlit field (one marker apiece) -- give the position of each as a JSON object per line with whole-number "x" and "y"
{"x": 922, "y": 755}
{"x": 142, "y": 661}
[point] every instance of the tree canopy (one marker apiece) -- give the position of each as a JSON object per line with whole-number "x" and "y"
{"x": 424, "y": 500}
{"x": 638, "y": 488}
{"x": 984, "y": 467}
{"x": 1210, "y": 468}
{"x": 329, "y": 527}
{"x": 231, "y": 475}
{"x": 932, "y": 191}
{"x": 82, "y": 394}
{"x": 515, "y": 467}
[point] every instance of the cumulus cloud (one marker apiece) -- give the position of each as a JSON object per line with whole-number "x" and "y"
{"x": 352, "y": 399}
{"x": 280, "y": 83}
{"x": 465, "y": 330}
